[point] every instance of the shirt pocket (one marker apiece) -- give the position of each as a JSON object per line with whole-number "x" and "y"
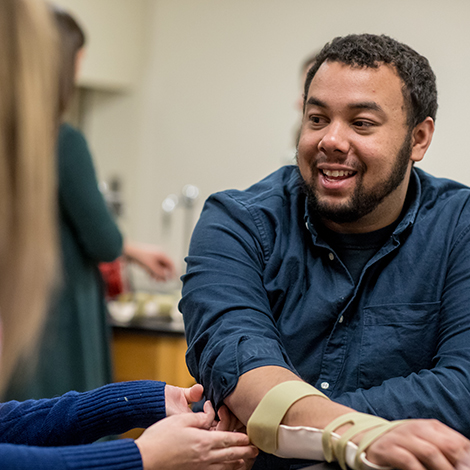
{"x": 397, "y": 340}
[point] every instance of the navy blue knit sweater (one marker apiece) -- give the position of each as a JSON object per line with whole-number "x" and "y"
{"x": 58, "y": 433}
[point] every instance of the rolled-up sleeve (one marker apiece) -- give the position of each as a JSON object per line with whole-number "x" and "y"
{"x": 229, "y": 323}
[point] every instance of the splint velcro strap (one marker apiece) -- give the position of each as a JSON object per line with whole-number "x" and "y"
{"x": 263, "y": 425}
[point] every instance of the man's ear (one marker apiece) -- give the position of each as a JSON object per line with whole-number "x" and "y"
{"x": 421, "y": 139}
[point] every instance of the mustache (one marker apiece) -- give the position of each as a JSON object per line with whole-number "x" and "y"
{"x": 353, "y": 164}
{"x": 322, "y": 158}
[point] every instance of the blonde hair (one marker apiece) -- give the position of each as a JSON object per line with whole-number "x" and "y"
{"x": 28, "y": 110}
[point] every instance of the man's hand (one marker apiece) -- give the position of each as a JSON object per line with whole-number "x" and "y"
{"x": 464, "y": 462}
{"x": 420, "y": 444}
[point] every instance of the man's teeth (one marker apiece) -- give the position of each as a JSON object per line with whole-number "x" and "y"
{"x": 337, "y": 173}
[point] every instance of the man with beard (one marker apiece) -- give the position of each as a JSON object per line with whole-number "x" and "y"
{"x": 349, "y": 271}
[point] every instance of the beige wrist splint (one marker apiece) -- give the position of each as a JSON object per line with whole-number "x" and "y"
{"x": 301, "y": 442}
{"x": 263, "y": 426}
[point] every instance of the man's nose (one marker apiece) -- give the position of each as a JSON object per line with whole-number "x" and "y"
{"x": 335, "y": 139}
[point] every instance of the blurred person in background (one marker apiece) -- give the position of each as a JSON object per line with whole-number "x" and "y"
{"x": 53, "y": 434}
{"x": 290, "y": 157}
{"x": 306, "y": 64}
{"x": 75, "y": 349}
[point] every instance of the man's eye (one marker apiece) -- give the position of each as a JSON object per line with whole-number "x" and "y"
{"x": 363, "y": 124}
{"x": 316, "y": 119}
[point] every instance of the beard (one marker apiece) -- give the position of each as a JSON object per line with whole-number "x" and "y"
{"x": 361, "y": 202}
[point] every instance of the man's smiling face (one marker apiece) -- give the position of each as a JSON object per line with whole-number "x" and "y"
{"x": 354, "y": 150}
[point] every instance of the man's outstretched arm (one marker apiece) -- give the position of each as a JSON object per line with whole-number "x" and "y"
{"x": 412, "y": 445}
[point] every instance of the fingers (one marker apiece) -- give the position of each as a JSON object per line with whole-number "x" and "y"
{"x": 205, "y": 419}
{"x": 165, "y": 265}
{"x": 456, "y": 446}
{"x": 166, "y": 261}
{"x": 224, "y": 445}
{"x": 194, "y": 420}
{"x": 232, "y": 446}
{"x": 232, "y": 451}
{"x": 225, "y": 421}
{"x": 194, "y": 393}
{"x": 209, "y": 410}
{"x": 198, "y": 420}
{"x": 464, "y": 462}
{"x": 175, "y": 400}
{"x": 418, "y": 445}
{"x": 158, "y": 272}
{"x": 225, "y": 439}
{"x": 228, "y": 421}
{"x": 158, "y": 265}
{"x": 438, "y": 438}
{"x": 419, "y": 455}
{"x": 237, "y": 465}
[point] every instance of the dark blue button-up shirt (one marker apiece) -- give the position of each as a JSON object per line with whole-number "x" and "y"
{"x": 263, "y": 288}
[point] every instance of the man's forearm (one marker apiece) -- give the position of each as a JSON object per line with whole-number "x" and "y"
{"x": 309, "y": 411}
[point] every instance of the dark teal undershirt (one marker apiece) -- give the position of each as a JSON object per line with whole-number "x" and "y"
{"x": 356, "y": 249}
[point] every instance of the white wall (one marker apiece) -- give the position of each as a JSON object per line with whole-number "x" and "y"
{"x": 215, "y": 103}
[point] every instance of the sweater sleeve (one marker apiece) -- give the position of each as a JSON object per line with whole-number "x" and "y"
{"x": 80, "y": 418}
{"x": 81, "y": 202}
{"x": 115, "y": 455}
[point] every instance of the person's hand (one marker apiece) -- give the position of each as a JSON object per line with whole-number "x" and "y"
{"x": 185, "y": 441}
{"x": 158, "y": 265}
{"x": 464, "y": 462}
{"x": 420, "y": 444}
{"x": 177, "y": 399}
{"x": 229, "y": 422}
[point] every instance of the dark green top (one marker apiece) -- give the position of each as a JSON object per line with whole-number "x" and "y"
{"x": 74, "y": 353}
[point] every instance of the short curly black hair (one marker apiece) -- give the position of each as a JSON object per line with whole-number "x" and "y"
{"x": 370, "y": 50}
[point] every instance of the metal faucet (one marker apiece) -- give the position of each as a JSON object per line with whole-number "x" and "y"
{"x": 187, "y": 200}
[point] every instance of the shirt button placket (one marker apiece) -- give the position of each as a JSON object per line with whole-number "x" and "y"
{"x": 333, "y": 350}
